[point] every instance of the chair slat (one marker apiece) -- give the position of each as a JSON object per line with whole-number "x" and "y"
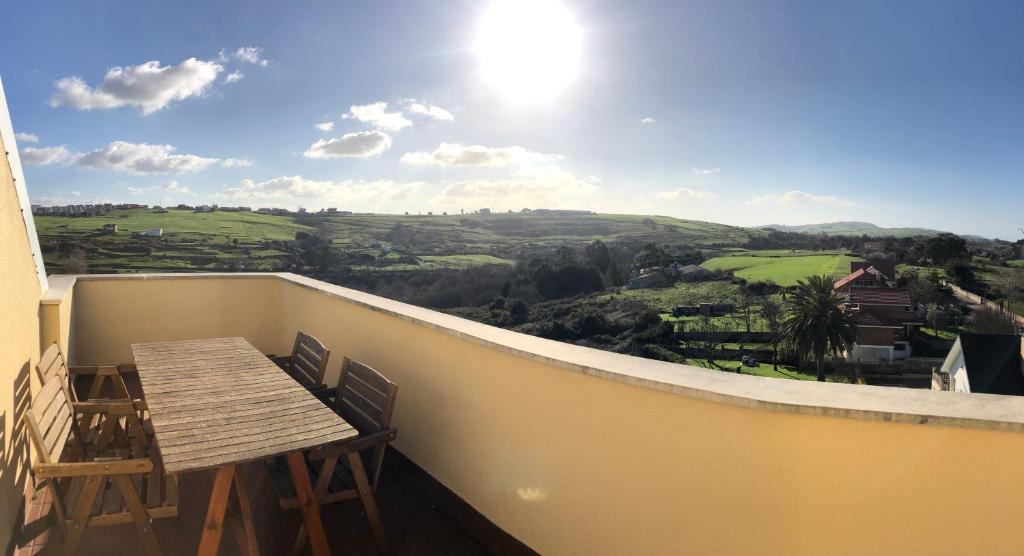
{"x": 370, "y": 394}
{"x": 58, "y": 431}
{"x": 369, "y": 376}
{"x": 46, "y": 396}
{"x": 364, "y": 423}
{"x": 308, "y": 360}
{"x": 356, "y": 400}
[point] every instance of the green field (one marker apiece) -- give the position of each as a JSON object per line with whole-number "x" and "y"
{"x": 782, "y": 268}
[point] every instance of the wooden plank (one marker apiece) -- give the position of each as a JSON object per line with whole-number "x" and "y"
{"x": 154, "y": 484}
{"x": 197, "y": 435}
{"x": 368, "y": 375}
{"x": 226, "y": 444}
{"x": 308, "y": 505}
{"x": 46, "y": 396}
{"x": 80, "y": 515}
{"x": 255, "y": 413}
{"x": 371, "y": 394}
{"x": 265, "y": 452}
{"x": 213, "y": 527}
{"x": 245, "y": 508}
{"x": 369, "y": 504}
{"x": 138, "y": 513}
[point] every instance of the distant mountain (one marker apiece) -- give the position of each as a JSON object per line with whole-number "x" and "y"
{"x": 853, "y": 229}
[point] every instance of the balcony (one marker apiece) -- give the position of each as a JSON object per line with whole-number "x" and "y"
{"x": 564, "y": 449}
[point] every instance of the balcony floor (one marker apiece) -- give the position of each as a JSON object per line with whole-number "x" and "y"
{"x": 421, "y": 517}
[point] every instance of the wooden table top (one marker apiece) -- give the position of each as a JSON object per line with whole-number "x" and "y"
{"x": 220, "y": 401}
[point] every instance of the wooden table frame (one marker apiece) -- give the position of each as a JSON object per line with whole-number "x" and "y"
{"x": 189, "y": 425}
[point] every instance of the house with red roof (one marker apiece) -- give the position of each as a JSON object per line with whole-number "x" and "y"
{"x": 881, "y": 311}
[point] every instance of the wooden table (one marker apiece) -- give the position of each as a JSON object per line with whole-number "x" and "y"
{"x": 219, "y": 403}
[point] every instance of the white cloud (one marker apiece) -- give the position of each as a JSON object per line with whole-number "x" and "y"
{"x": 297, "y": 188}
{"x": 359, "y": 144}
{"x": 684, "y": 193}
{"x": 26, "y": 137}
{"x": 800, "y": 198}
{"x": 141, "y": 158}
{"x": 76, "y": 193}
{"x": 234, "y": 77}
{"x": 550, "y": 188}
{"x": 169, "y": 187}
{"x": 46, "y": 156}
{"x": 250, "y": 55}
{"x": 425, "y": 109}
{"x": 149, "y": 86}
{"x": 236, "y": 163}
{"x": 647, "y": 120}
{"x": 325, "y": 126}
{"x": 705, "y": 171}
{"x": 377, "y": 115}
{"x": 454, "y": 154}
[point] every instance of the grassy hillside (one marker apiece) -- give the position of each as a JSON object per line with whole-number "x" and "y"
{"x": 854, "y": 229}
{"x": 783, "y": 269}
{"x": 191, "y": 241}
{"x": 235, "y": 240}
{"x": 510, "y": 236}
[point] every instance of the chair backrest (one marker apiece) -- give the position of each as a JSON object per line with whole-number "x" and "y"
{"x": 309, "y": 360}
{"x": 365, "y": 398}
{"x": 50, "y": 420}
{"x": 52, "y": 365}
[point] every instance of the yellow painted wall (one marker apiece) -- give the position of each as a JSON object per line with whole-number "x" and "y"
{"x": 19, "y": 338}
{"x": 574, "y": 464}
{"x": 108, "y": 316}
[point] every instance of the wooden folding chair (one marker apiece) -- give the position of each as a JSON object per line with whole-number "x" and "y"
{"x": 365, "y": 399}
{"x": 307, "y": 363}
{"x": 53, "y": 366}
{"x": 89, "y": 491}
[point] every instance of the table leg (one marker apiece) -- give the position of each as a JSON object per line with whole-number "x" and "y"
{"x": 209, "y": 544}
{"x": 248, "y": 541}
{"x": 308, "y": 505}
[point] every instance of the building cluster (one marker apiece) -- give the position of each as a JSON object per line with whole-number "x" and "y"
{"x": 881, "y": 311}
{"x": 716, "y": 309}
{"x": 658, "y": 276}
{"x": 82, "y": 210}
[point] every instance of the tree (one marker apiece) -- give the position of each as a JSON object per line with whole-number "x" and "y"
{"x": 651, "y": 255}
{"x": 989, "y": 320}
{"x": 815, "y": 321}
{"x": 519, "y": 311}
{"x": 944, "y": 248}
{"x": 708, "y": 338}
{"x": 771, "y": 312}
{"x": 746, "y": 314}
{"x": 598, "y": 255}
{"x": 962, "y": 274}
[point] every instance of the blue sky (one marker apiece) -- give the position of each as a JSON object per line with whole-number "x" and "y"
{"x": 747, "y": 113}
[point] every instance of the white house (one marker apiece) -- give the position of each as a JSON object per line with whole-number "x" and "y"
{"x": 983, "y": 363}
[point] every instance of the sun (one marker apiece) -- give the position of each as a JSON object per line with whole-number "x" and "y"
{"x": 529, "y": 50}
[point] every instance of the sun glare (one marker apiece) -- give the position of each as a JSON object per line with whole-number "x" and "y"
{"x": 529, "y": 50}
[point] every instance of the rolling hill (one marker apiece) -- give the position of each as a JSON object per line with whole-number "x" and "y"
{"x": 853, "y": 229}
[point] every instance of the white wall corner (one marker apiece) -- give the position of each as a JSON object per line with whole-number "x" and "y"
{"x": 11, "y": 146}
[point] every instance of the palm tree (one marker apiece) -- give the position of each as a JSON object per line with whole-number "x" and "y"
{"x": 815, "y": 321}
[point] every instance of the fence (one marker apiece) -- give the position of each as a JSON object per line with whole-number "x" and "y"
{"x": 978, "y": 300}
